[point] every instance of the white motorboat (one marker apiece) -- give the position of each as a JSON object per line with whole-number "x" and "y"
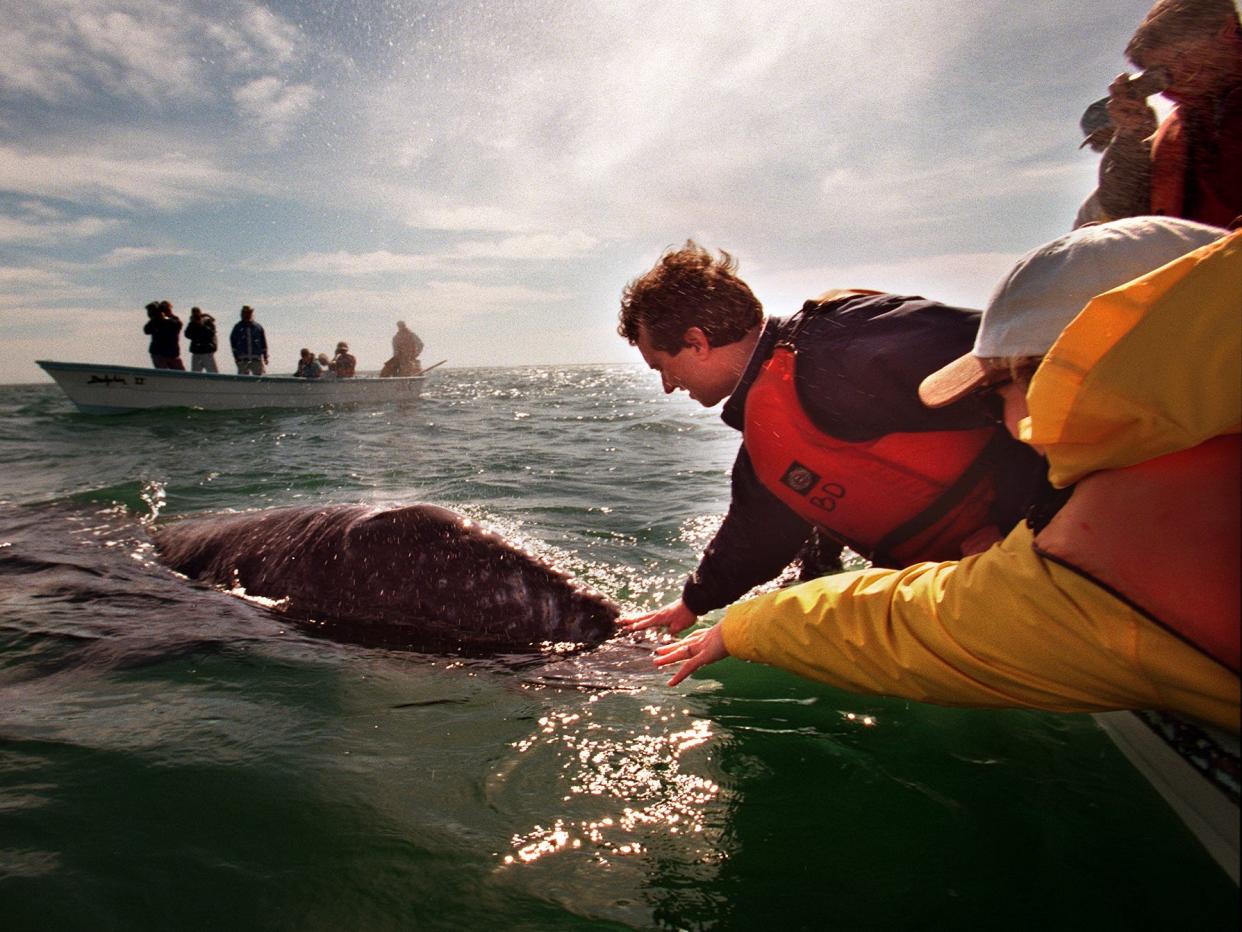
{"x": 98, "y": 388}
{"x": 1193, "y": 766}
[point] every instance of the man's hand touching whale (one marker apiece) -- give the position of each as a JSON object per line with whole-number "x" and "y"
{"x": 674, "y": 617}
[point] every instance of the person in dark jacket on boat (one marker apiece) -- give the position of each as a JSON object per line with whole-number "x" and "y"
{"x": 249, "y": 344}
{"x": 201, "y": 332}
{"x": 164, "y": 328}
{"x": 834, "y": 435}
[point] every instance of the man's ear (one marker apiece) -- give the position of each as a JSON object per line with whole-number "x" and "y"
{"x": 695, "y": 340}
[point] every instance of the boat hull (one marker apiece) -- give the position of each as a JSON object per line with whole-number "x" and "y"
{"x": 106, "y": 389}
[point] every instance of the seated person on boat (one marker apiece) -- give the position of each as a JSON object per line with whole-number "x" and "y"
{"x": 308, "y": 366}
{"x": 343, "y": 365}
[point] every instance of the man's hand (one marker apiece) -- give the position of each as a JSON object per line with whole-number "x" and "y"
{"x": 674, "y": 616}
{"x": 693, "y": 651}
{"x": 1130, "y": 113}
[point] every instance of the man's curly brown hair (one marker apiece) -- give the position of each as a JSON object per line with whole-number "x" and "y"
{"x": 689, "y": 287}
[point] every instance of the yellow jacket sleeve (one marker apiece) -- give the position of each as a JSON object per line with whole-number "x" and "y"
{"x": 1004, "y": 628}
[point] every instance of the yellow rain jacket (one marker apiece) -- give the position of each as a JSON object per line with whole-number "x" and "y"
{"x": 1150, "y": 368}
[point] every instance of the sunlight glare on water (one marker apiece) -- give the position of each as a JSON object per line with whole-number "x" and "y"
{"x": 646, "y": 786}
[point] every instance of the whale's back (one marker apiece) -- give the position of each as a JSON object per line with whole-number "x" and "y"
{"x": 419, "y": 575}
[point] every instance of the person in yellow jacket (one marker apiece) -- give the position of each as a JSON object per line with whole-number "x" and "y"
{"x": 1127, "y": 597}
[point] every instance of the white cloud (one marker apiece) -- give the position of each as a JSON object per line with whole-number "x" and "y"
{"x": 643, "y": 115}
{"x": 141, "y": 52}
{"x": 273, "y": 106}
{"x": 128, "y": 255}
{"x": 48, "y": 289}
{"x": 158, "y": 53}
{"x": 135, "y": 173}
{"x": 277, "y": 38}
{"x": 28, "y": 277}
{"x": 536, "y": 246}
{"x": 463, "y": 217}
{"x": 44, "y": 230}
{"x": 434, "y": 300}
{"x": 528, "y": 248}
{"x": 475, "y": 296}
{"x": 351, "y": 264}
{"x": 961, "y": 279}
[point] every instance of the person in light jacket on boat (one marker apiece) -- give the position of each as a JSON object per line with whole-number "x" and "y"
{"x": 249, "y": 344}
{"x": 1122, "y": 592}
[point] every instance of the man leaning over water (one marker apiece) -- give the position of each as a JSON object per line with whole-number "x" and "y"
{"x": 834, "y": 437}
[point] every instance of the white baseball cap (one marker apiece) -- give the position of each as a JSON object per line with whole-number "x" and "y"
{"x": 1050, "y": 285}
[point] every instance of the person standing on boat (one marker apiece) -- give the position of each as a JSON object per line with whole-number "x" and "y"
{"x": 1115, "y": 349}
{"x": 834, "y": 438}
{"x": 164, "y": 328}
{"x": 201, "y": 332}
{"x": 249, "y": 344}
{"x": 406, "y": 348}
{"x": 1191, "y": 165}
{"x": 343, "y": 365}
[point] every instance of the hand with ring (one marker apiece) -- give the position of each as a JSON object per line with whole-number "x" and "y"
{"x": 693, "y": 651}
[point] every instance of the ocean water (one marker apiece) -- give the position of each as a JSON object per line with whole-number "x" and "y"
{"x": 173, "y": 757}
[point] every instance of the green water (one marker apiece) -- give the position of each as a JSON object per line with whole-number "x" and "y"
{"x": 172, "y": 757}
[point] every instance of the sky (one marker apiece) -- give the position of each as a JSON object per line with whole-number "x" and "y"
{"x": 493, "y": 173}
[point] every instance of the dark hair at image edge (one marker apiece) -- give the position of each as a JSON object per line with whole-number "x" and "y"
{"x": 1171, "y": 21}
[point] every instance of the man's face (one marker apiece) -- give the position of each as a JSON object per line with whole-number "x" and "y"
{"x": 692, "y": 369}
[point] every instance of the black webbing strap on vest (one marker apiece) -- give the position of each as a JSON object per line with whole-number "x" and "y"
{"x": 951, "y": 497}
{"x": 799, "y": 320}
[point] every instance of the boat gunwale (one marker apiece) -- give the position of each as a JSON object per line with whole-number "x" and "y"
{"x": 50, "y": 366}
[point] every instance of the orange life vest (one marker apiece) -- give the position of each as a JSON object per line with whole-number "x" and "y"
{"x": 1165, "y": 537}
{"x": 898, "y": 499}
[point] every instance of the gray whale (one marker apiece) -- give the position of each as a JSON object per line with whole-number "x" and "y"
{"x": 419, "y": 576}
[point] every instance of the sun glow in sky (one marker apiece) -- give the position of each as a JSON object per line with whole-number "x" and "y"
{"x": 494, "y": 172}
